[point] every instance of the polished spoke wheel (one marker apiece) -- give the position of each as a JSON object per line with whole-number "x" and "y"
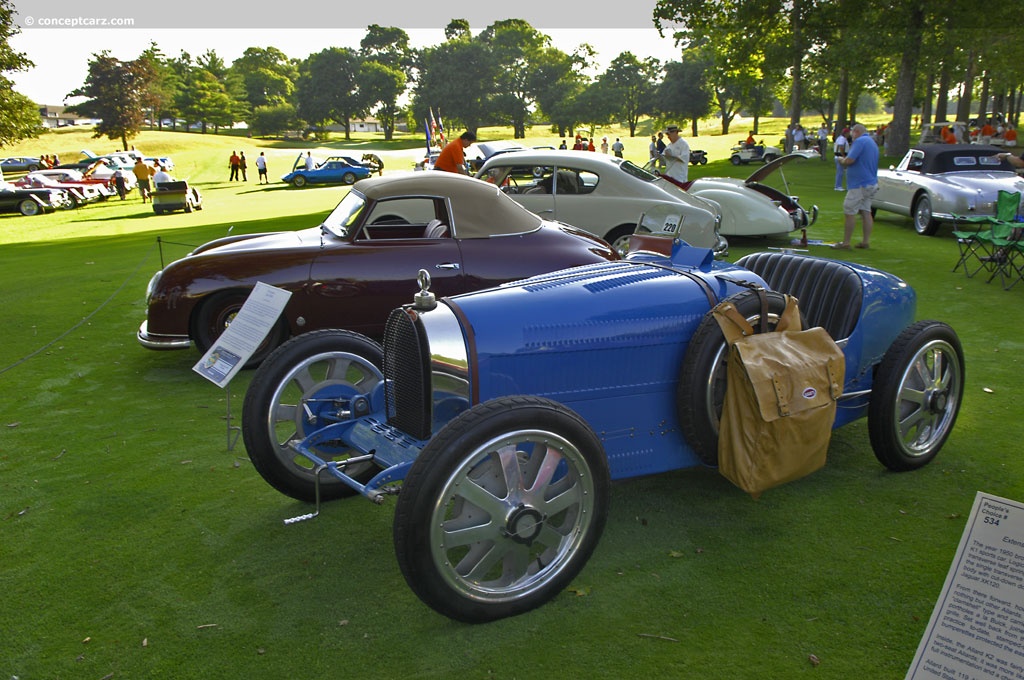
{"x": 924, "y": 224}
{"x": 501, "y": 509}
{"x": 916, "y": 397}
{"x": 307, "y": 384}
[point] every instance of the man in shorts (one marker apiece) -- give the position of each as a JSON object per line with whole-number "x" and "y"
{"x": 143, "y": 173}
{"x": 861, "y": 163}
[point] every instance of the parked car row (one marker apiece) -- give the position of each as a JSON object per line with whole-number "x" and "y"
{"x": 32, "y": 201}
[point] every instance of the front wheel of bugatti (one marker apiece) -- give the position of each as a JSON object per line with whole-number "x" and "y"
{"x": 919, "y": 386}
{"x": 502, "y": 509}
{"x": 304, "y": 385}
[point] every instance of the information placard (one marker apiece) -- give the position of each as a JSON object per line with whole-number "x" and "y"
{"x": 976, "y": 631}
{"x": 242, "y": 338}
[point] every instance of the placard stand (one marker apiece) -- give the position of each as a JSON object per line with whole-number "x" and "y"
{"x": 233, "y": 431}
{"x": 239, "y": 341}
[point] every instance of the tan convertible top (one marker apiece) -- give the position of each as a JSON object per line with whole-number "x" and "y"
{"x": 479, "y": 208}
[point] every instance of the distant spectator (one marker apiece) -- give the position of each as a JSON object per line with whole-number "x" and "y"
{"x": 233, "y": 163}
{"x": 143, "y": 173}
{"x": 261, "y": 167}
{"x": 618, "y": 148}
{"x": 604, "y": 145}
{"x": 161, "y": 176}
{"x": 563, "y": 146}
{"x": 309, "y": 160}
{"x": 242, "y": 165}
{"x": 119, "y": 183}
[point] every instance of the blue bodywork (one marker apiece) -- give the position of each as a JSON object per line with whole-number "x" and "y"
{"x": 331, "y": 171}
{"x": 605, "y": 340}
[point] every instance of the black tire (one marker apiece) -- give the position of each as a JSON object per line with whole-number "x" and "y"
{"x": 703, "y": 160}
{"x": 618, "y": 238}
{"x": 734, "y": 159}
{"x": 479, "y": 497}
{"x": 916, "y": 397}
{"x": 33, "y": 167}
{"x": 215, "y": 313}
{"x": 701, "y": 389}
{"x": 312, "y": 371}
{"x": 71, "y": 203}
{"x": 158, "y": 210}
{"x": 924, "y": 223}
{"x": 769, "y": 157}
{"x": 299, "y": 181}
{"x": 29, "y": 208}
{"x": 348, "y": 178}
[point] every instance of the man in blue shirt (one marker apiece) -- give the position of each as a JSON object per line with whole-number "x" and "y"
{"x": 861, "y": 185}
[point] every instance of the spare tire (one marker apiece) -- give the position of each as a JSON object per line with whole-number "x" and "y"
{"x": 701, "y": 389}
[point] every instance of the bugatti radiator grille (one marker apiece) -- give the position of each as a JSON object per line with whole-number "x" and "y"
{"x": 407, "y": 370}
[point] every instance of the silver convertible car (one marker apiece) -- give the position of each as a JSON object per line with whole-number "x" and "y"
{"x": 935, "y": 183}
{"x": 601, "y": 194}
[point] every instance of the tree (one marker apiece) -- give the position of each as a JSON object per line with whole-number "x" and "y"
{"x": 515, "y": 46}
{"x": 274, "y": 118}
{"x": 327, "y": 87}
{"x": 382, "y": 86}
{"x": 19, "y": 116}
{"x": 631, "y": 83}
{"x": 446, "y": 69}
{"x": 267, "y": 75}
{"x": 684, "y": 92}
{"x": 117, "y": 93}
{"x": 163, "y": 91}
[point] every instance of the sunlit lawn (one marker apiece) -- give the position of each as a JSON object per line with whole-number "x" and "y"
{"x": 134, "y": 543}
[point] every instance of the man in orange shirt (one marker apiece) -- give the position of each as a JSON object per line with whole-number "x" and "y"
{"x": 453, "y": 157}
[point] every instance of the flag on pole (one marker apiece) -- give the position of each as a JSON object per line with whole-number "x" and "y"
{"x": 433, "y": 123}
{"x": 426, "y": 128}
{"x": 440, "y": 126}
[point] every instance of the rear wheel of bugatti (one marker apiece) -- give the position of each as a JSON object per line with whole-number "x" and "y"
{"x": 502, "y": 509}
{"x": 305, "y": 384}
{"x": 916, "y": 397}
{"x": 701, "y": 390}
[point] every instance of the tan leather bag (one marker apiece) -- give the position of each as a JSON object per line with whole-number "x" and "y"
{"x": 780, "y": 399}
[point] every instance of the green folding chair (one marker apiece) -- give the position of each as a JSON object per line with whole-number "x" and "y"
{"x": 978, "y": 250}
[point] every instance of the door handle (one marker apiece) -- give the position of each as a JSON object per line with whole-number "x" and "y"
{"x": 447, "y": 265}
{"x": 545, "y": 212}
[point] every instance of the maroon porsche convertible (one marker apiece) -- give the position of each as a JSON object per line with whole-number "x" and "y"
{"x": 362, "y": 262}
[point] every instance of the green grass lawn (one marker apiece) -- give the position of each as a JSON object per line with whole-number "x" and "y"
{"x": 135, "y": 544}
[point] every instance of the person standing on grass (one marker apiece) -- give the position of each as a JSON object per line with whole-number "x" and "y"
{"x": 861, "y": 164}
{"x": 242, "y": 165}
{"x": 839, "y": 151}
{"x": 676, "y": 155}
{"x": 261, "y": 167}
{"x": 233, "y": 164}
{"x": 143, "y": 173}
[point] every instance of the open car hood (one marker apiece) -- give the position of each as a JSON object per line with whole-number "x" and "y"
{"x": 768, "y": 168}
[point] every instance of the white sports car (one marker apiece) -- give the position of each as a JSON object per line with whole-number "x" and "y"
{"x": 935, "y": 183}
{"x": 752, "y": 208}
{"x": 601, "y": 194}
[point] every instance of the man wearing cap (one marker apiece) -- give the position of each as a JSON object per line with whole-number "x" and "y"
{"x": 676, "y": 154}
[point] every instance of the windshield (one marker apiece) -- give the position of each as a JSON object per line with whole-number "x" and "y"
{"x": 636, "y": 171}
{"x": 344, "y": 217}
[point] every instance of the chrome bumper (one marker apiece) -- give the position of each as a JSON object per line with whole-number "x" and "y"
{"x": 161, "y": 341}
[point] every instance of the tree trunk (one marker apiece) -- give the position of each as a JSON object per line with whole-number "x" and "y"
{"x": 942, "y": 102}
{"x": 963, "y": 109}
{"x": 796, "y": 93}
{"x": 897, "y": 139}
{"x": 693, "y": 127}
{"x": 843, "y": 115}
{"x": 983, "y": 102}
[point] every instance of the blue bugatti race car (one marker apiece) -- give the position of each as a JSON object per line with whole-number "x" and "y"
{"x": 499, "y": 418}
